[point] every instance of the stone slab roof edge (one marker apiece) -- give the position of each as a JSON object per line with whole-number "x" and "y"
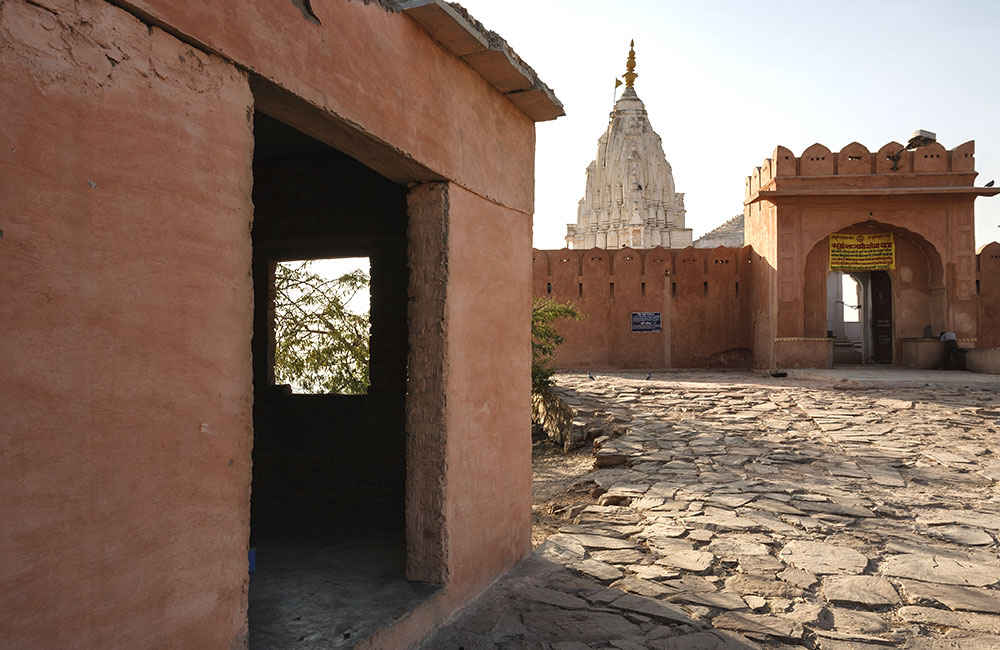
{"x": 485, "y": 52}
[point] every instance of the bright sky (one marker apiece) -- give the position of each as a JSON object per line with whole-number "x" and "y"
{"x": 336, "y": 267}
{"x": 726, "y": 81}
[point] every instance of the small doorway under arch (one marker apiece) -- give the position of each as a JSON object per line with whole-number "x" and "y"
{"x": 859, "y": 316}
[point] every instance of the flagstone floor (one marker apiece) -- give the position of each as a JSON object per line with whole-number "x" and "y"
{"x": 836, "y": 510}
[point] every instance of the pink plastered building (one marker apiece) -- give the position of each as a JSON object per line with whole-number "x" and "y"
{"x": 159, "y": 158}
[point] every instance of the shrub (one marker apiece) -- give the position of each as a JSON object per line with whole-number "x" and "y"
{"x": 544, "y": 338}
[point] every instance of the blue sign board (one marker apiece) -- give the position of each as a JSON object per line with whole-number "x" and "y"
{"x": 646, "y": 321}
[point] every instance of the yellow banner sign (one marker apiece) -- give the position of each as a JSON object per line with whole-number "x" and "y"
{"x": 862, "y": 252}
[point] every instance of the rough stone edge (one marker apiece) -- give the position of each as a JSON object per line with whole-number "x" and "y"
{"x": 427, "y": 383}
{"x": 554, "y": 416}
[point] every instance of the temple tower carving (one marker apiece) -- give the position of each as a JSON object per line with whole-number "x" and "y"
{"x": 630, "y": 199}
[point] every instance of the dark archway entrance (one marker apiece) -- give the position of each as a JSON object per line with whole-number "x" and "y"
{"x": 879, "y": 295}
{"x": 898, "y": 307}
{"x": 860, "y": 316}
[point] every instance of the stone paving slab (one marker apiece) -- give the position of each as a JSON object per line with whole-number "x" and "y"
{"x": 735, "y": 510}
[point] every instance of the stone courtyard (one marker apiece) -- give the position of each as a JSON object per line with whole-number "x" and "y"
{"x": 839, "y": 510}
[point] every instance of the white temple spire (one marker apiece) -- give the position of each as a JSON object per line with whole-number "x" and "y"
{"x": 629, "y": 198}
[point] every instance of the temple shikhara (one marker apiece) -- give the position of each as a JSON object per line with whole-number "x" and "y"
{"x": 630, "y": 198}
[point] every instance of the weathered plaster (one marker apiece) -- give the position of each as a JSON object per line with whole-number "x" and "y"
{"x": 379, "y": 73}
{"x": 427, "y": 381}
{"x": 125, "y": 258}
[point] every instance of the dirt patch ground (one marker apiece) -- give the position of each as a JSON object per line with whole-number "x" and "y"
{"x": 559, "y": 484}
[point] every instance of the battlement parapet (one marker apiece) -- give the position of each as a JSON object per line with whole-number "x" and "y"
{"x": 856, "y": 167}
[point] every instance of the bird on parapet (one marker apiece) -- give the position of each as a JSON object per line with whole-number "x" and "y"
{"x": 649, "y": 376}
{"x": 990, "y": 184}
{"x": 590, "y": 375}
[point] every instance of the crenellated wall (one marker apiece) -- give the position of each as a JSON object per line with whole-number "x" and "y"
{"x": 711, "y": 300}
{"x": 855, "y": 160}
{"x": 988, "y": 285}
{"x": 703, "y": 296}
{"x": 794, "y": 203}
{"x": 765, "y": 304}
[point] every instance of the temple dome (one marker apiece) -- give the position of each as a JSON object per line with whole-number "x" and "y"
{"x": 630, "y": 199}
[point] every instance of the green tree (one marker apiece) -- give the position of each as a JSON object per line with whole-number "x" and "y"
{"x": 320, "y": 345}
{"x": 544, "y": 338}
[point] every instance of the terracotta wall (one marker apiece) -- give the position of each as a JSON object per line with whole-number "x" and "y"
{"x": 854, "y": 166}
{"x": 488, "y": 490}
{"x": 126, "y": 256}
{"x": 467, "y": 451}
{"x": 379, "y": 72}
{"x": 934, "y": 280}
{"x": 917, "y": 284}
{"x": 761, "y": 236}
{"x": 126, "y": 299}
{"x": 989, "y": 296}
{"x": 703, "y": 296}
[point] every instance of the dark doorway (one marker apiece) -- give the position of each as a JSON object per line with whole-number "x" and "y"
{"x": 881, "y": 301}
{"x": 859, "y": 316}
{"x": 328, "y": 490}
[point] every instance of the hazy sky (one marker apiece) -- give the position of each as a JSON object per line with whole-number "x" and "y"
{"x": 726, "y": 82}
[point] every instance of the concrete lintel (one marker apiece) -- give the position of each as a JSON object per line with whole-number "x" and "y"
{"x": 445, "y": 25}
{"x": 496, "y": 67}
{"x": 875, "y": 191}
{"x": 494, "y": 61}
{"x": 396, "y": 165}
{"x": 538, "y": 103}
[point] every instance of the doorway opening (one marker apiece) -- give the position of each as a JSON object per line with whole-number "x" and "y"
{"x": 327, "y": 522}
{"x": 859, "y": 316}
{"x": 843, "y": 320}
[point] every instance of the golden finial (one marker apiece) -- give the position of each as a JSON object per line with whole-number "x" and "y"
{"x": 630, "y": 73}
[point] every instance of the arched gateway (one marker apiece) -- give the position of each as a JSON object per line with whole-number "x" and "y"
{"x": 903, "y": 229}
{"x": 900, "y": 297}
{"x": 900, "y": 223}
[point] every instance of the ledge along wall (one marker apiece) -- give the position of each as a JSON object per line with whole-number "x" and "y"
{"x": 127, "y": 299}
{"x": 702, "y": 295}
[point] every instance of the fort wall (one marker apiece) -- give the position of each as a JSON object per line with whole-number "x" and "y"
{"x": 714, "y": 306}
{"x": 792, "y": 205}
{"x": 702, "y": 297}
{"x": 988, "y": 284}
